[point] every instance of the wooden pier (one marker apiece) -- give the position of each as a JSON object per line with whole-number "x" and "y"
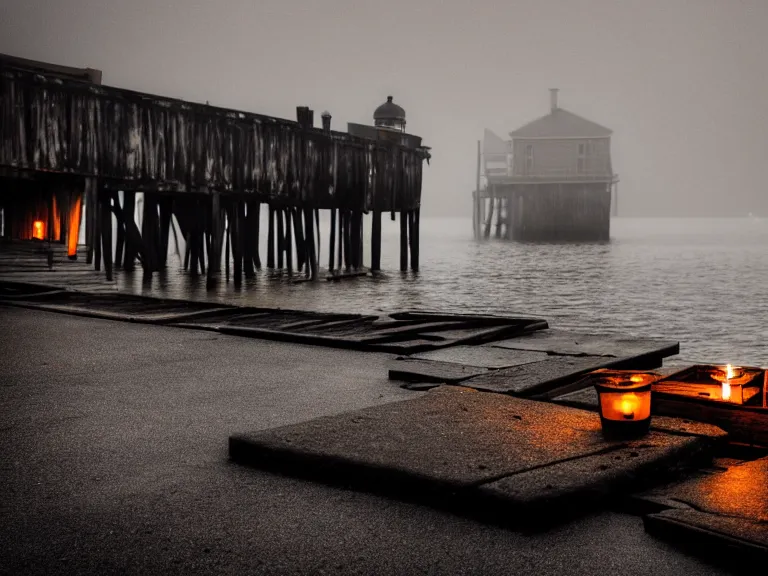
{"x": 71, "y": 149}
{"x": 552, "y": 182}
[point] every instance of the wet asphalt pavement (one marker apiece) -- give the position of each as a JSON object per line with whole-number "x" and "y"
{"x": 114, "y": 460}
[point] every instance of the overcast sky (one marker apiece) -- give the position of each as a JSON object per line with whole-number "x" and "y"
{"x": 683, "y": 83}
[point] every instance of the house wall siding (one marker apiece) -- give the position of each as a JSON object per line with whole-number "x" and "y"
{"x": 561, "y": 156}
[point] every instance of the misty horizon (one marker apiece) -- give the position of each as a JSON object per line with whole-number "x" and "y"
{"x": 681, "y": 84}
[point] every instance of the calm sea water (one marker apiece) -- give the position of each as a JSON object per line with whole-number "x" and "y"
{"x": 703, "y": 282}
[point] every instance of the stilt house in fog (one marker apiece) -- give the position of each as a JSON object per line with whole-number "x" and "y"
{"x": 552, "y": 181}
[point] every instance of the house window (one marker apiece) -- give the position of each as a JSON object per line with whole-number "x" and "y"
{"x": 528, "y": 158}
{"x": 581, "y": 165}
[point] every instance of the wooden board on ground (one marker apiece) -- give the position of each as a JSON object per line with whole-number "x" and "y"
{"x": 398, "y": 333}
{"x": 746, "y": 424}
{"x": 490, "y": 455}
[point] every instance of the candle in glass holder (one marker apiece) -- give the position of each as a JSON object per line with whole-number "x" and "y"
{"x": 625, "y": 406}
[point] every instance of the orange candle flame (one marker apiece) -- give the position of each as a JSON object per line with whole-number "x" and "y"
{"x": 38, "y": 229}
{"x": 74, "y": 226}
{"x": 627, "y": 405}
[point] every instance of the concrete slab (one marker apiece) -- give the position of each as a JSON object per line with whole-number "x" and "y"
{"x": 582, "y": 481}
{"x": 536, "y": 378}
{"x": 725, "y": 512}
{"x": 740, "y": 491}
{"x": 732, "y": 542}
{"x": 414, "y": 370}
{"x": 485, "y": 356}
{"x": 474, "y": 452}
{"x": 568, "y": 343}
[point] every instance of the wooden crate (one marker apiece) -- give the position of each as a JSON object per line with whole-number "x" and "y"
{"x": 693, "y": 393}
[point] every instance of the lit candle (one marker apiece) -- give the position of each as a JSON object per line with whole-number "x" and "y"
{"x": 726, "y": 387}
{"x": 627, "y": 405}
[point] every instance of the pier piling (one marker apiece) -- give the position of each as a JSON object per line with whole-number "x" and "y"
{"x": 403, "y": 241}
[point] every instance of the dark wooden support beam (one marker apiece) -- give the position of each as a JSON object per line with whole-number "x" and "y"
{"x": 166, "y": 212}
{"x": 150, "y": 234}
{"x": 237, "y": 240}
{"x": 129, "y": 221}
{"x": 332, "y": 241}
{"x": 194, "y": 239}
{"x": 309, "y": 239}
{"x": 187, "y": 251}
{"x": 106, "y": 230}
{"x": 403, "y": 241}
{"x": 499, "y": 216}
{"x": 120, "y": 229}
{"x": 298, "y": 229}
{"x": 64, "y": 202}
{"x": 280, "y": 238}
{"x": 341, "y": 239}
{"x": 361, "y": 237}
{"x": 288, "y": 240}
{"x": 354, "y": 238}
{"x": 50, "y": 200}
{"x": 348, "y": 260}
{"x": 271, "y": 239}
{"x": 201, "y": 251}
{"x": 414, "y": 238}
{"x": 247, "y": 232}
{"x": 90, "y": 220}
{"x": 375, "y": 241}
{"x": 227, "y": 234}
{"x": 255, "y": 219}
{"x": 318, "y": 242}
{"x": 96, "y": 227}
{"x": 489, "y": 219}
{"x": 216, "y": 238}
{"x": 8, "y": 214}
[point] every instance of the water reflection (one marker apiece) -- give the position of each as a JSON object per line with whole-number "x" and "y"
{"x": 697, "y": 281}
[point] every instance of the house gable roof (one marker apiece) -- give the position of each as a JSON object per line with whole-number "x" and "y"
{"x": 561, "y": 124}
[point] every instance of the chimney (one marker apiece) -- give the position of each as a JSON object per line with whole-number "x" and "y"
{"x": 326, "y": 116}
{"x": 305, "y": 117}
{"x": 553, "y": 99}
